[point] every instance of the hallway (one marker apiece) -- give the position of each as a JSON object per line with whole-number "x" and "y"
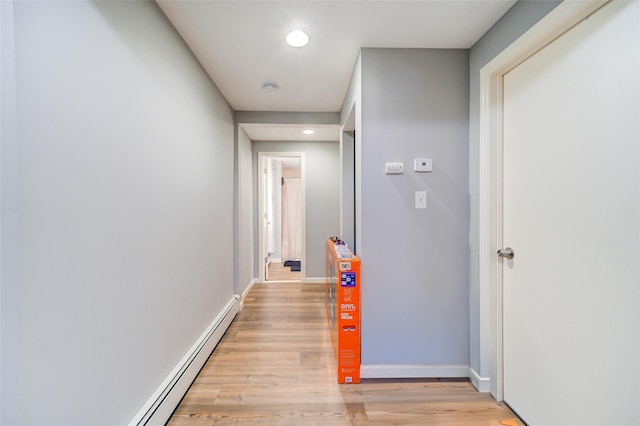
{"x": 279, "y": 272}
{"x": 275, "y": 366}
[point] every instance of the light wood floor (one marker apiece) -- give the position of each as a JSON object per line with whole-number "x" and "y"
{"x": 275, "y": 366}
{"x": 277, "y": 272}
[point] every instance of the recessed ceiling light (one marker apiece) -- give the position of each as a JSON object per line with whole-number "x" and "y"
{"x": 297, "y": 38}
{"x": 270, "y": 88}
{"x": 308, "y": 132}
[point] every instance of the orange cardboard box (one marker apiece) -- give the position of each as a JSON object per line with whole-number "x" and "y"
{"x": 343, "y": 308}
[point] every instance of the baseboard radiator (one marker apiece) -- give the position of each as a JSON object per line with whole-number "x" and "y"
{"x": 166, "y": 398}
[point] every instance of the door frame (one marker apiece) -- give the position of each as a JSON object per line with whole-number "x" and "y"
{"x": 261, "y": 237}
{"x": 558, "y": 21}
{"x": 348, "y": 221}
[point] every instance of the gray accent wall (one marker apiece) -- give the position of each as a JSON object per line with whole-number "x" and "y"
{"x": 521, "y": 17}
{"x": 117, "y": 208}
{"x": 415, "y": 306}
{"x": 322, "y": 196}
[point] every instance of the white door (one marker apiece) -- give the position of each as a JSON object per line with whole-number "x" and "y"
{"x": 571, "y": 213}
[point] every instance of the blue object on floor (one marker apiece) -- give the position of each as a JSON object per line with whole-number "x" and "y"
{"x": 293, "y": 264}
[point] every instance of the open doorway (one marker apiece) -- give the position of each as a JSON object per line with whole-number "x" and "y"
{"x": 281, "y": 201}
{"x": 348, "y": 189}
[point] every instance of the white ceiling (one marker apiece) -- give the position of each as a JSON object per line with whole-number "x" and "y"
{"x": 241, "y": 43}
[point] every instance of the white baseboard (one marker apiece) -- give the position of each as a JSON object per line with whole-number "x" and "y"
{"x": 412, "y": 371}
{"x": 483, "y": 384}
{"x": 315, "y": 280}
{"x": 246, "y": 291}
{"x": 158, "y": 409}
{"x": 312, "y": 280}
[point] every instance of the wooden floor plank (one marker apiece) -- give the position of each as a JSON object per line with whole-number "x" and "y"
{"x": 275, "y": 366}
{"x": 279, "y": 272}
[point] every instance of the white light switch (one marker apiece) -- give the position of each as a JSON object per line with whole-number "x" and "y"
{"x": 421, "y": 199}
{"x": 394, "y": 168}
{"x": 422, "y": 165}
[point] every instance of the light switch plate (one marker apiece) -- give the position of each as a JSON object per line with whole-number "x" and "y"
{"x": 422, "y": 165}
{"x": 421, "y": 199}
{"x": 394, "y": 168}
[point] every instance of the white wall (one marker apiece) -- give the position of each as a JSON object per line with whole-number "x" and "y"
{"x": 322, "y": 195}
{"x": 123, "y": 213}
{"x": 245, "y": 260}
{"x": 415, "y": 262}
{"x": 522, "y": 16}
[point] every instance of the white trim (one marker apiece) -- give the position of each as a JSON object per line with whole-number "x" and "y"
{"x": 261, "y": 156}
{"x": 158, "y": 409}
{"x": 315, "y": 280}
{"x": 482, "y": 384}
{"x": 558, "y": 21}
{"x": 412, "y": 371}
{"x": 348, "y": 125}
{"x": 9, "y": 219}
{"x": 246, "y": 292}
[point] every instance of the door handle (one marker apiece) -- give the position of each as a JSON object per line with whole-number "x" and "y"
{"x": 506, "y": 252}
